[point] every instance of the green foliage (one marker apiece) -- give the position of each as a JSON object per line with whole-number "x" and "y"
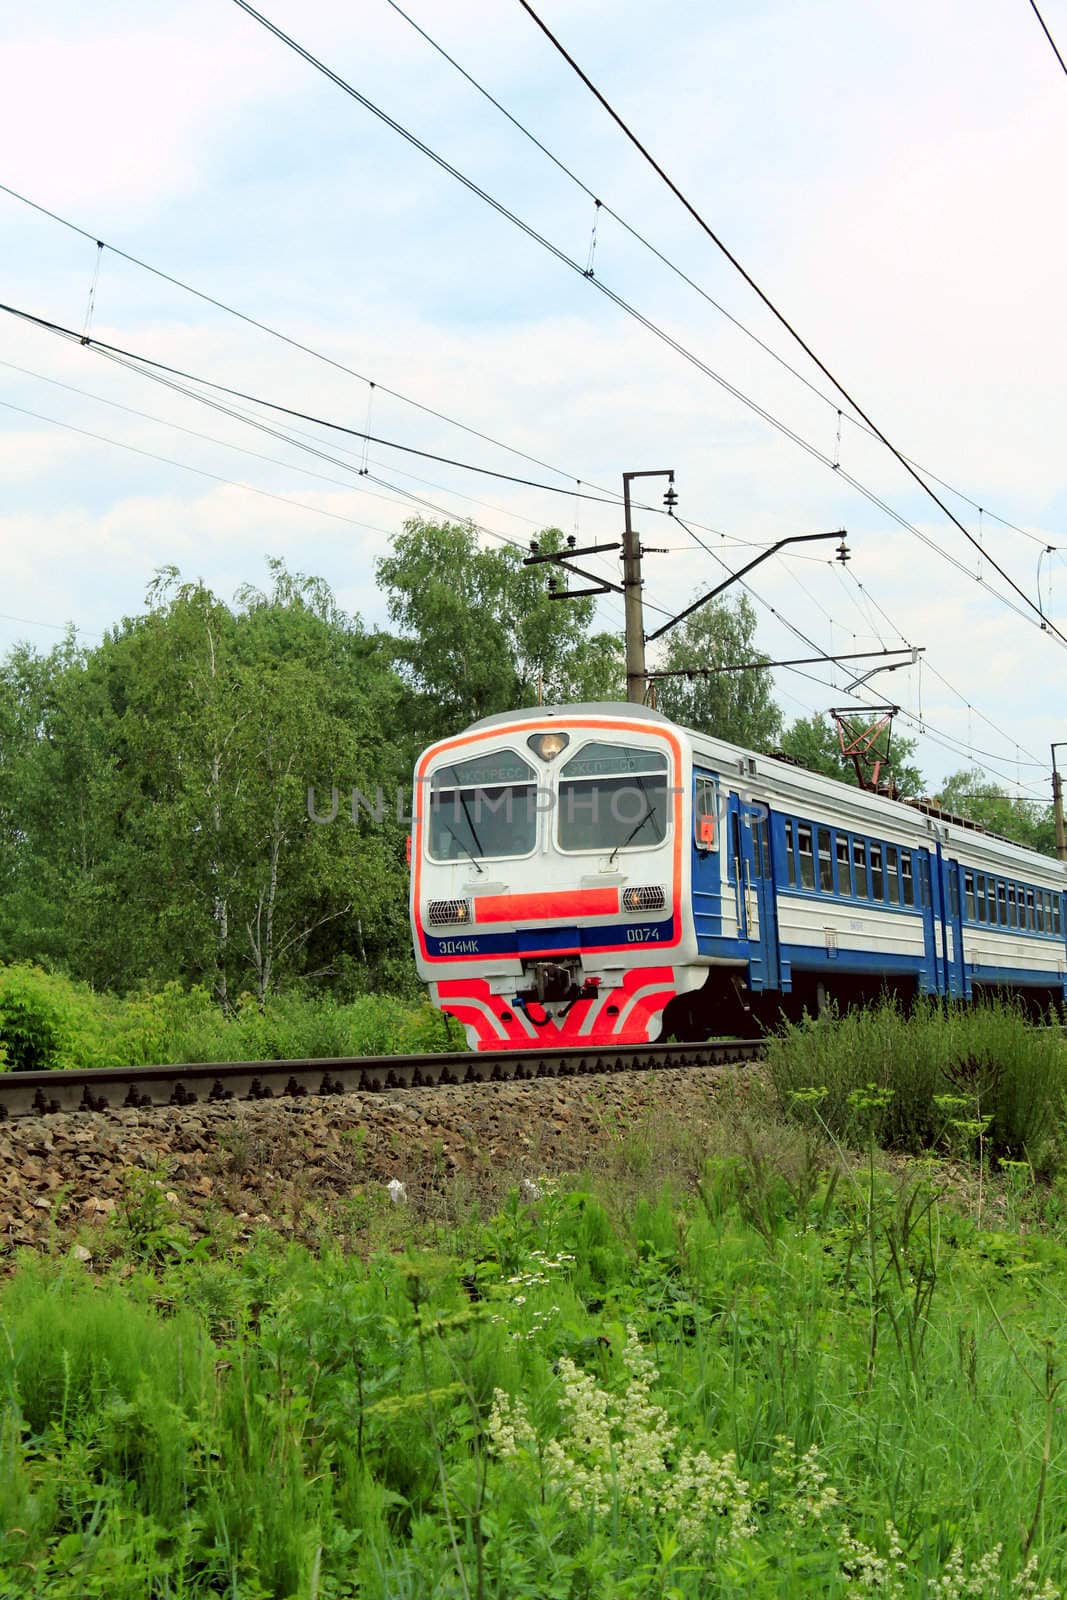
{"x": 971, "y": 794}
{"x": 736, "y": 706}
{"x": 683, "y": 1405}
{"x": 39, "y": 1020}
{"x": 479, "y": 633}
{"x": 49, "y": 1021}
{"x": 914, "y": 1081}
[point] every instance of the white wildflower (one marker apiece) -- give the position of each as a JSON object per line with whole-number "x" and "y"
{"x": 397, "y": 1192}
{"x": 508, "y": 1426}
{"x": 622, "y": 1451}
{"x": 802, "y": 1484}
{"x": 869, "y": 1572}
{"x": 1024, "y": 1584}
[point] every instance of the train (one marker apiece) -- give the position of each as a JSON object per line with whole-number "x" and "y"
{"x": 595, "y": 874}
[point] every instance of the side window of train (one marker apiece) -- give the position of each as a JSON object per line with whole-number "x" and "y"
{"x": 892, "y": 873}
{"x": 1057, "y": 914}
{"x": 806, "y": 855}
{"x": 706, "y": 814}
{"x": 859, "y": 867}
{"x": 981, "y": 897}
{"x": 907, "y": 882}
{"x": 1013, "y": 918}
{"x": 1039, "y": 923}
{"x": 1002, "y": 905}
{"x": 968, "y": 895}
{"x": 924, "y": 883}
{"x": 844, "y": 875}
{"x": 826, "y": 864}
{"x": 877, "y": 881}
{"x": 954, "y": 888}
{"x": 791, "y": 853}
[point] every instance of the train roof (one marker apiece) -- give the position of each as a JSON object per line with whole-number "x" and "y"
{"x": 798, "y": 785}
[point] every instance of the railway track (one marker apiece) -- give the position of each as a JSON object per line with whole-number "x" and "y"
{"x": 38, "y": 1094}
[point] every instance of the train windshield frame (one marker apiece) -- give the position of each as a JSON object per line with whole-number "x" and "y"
{"x": 482, "y": 807}
{"x": 612, "y": 797}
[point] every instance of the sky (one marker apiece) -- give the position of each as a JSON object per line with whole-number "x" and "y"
{"x": 890, "y": 174}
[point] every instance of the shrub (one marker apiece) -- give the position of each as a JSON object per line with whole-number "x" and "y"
{"x": 49, "y": 1021}
{"x": 934, "y": 1071}
{"x": 41, "y": 1018}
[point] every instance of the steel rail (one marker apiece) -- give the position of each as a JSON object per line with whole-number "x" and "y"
{"x": 35, "y": 1094}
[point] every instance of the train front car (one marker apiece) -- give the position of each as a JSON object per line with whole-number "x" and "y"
{"x": 548, "y": 856}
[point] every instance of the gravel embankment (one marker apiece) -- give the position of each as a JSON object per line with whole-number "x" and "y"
{"x": 304, "y": 1166}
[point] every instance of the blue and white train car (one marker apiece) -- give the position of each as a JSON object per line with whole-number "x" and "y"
{"x": 593, "y": 874}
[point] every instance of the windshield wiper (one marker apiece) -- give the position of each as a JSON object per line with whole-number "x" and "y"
{"x": 650, "y": 811}
{"x": 465, "y": 848}
{"x": 470, "y": 825}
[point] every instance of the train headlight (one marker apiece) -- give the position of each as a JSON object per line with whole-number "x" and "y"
{"x": 648, "y": 897}
{"x": 548, "y": 745}
{"x": 442, "y": 913}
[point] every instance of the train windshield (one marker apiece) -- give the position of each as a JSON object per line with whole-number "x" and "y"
{"x": 483, "y": 807}
{"x": 612, "y": 797}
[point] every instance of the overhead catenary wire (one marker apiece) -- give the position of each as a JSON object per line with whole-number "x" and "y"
{"x": 133, "y": 358}
{"x": 773, "y": 610}
{"x": 185, "y": 466}
{"x": 285, "y": 338}
{"x": 1034, "y": 761}
{"x": 1048, "y": 36}
{"x": 767, "y": 301}
{"x": 939, "y": 735}
{"x": 451, "y": 421}
{"x": 567, "y": 260}
{"x": 168, "y": 375}
{"x": 672, "y": 266}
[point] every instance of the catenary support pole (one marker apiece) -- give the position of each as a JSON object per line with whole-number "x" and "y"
{"x": 636, "y": 680}
{"x": 1057, "y": 806}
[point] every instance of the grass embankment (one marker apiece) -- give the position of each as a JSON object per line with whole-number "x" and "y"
{"x": 49, "y": 1021}
{"x": 774, "y": 1372}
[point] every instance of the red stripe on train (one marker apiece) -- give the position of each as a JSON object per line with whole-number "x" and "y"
{"x": 557, "y": 907}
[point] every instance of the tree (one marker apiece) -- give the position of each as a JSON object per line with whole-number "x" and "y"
{"x": 479, "y": 633}
{"x": 969, "y": 794}
{"x": 154, "y": 820}
{"x": 736, "y": 706}
{"x": 814, "y": 742}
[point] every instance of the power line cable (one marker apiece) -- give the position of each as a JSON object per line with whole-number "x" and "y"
{"x": 960, "y": 696}
{"x": 672, "y": 266}
{"x": 184, "y": 466}
{"x": 133, "y": 363}
{"x": 132, "y": 358}
{"x": 1048, "y": 36}
{"x": 778, "y": 315}
{"x": 276, "y": 333}
{"x": 441, "y": 416}
{"x": 407, "y": 495}
{"x": 940, "y": 735}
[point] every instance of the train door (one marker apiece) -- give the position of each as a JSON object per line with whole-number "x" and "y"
{"x": 708, "y": 874}
{"x": 933, "y": 932}
{"x": 952, "y": 916}
{"x": 753, "y": 874}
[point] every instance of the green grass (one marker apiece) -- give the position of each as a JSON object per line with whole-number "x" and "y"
{"x": 765, "y": 1388}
